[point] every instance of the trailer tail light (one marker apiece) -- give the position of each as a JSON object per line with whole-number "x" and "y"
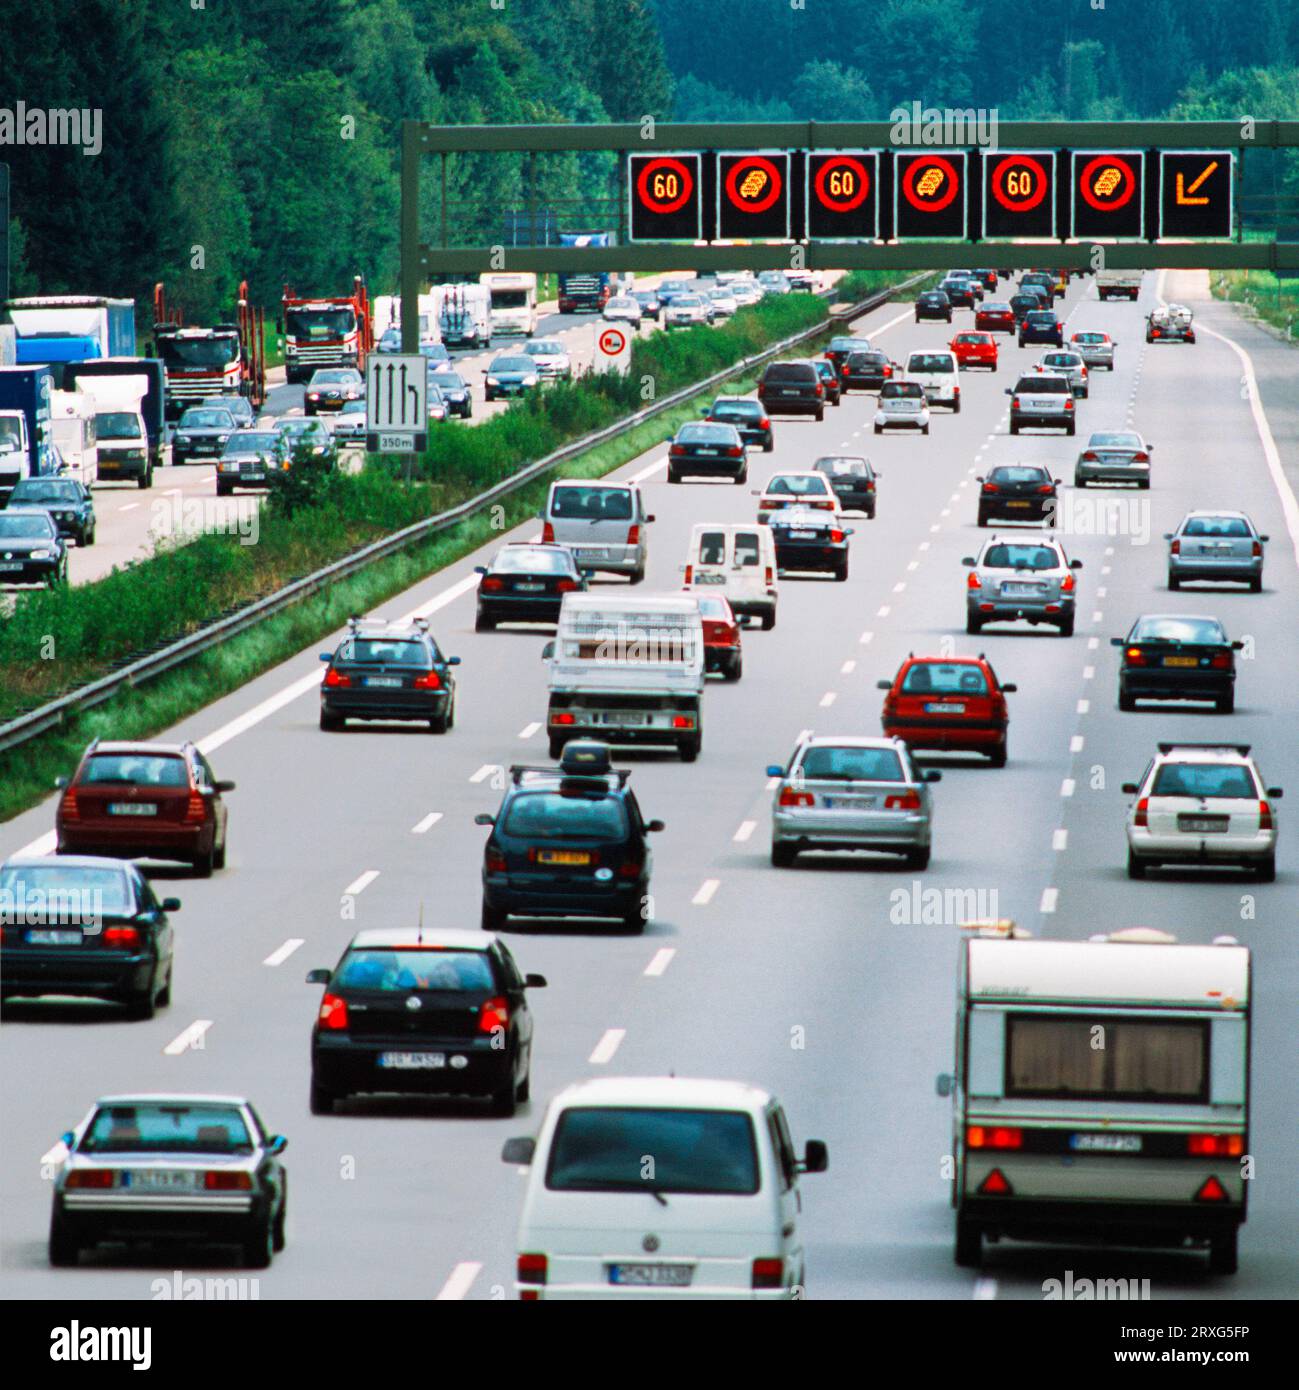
{"x": 902, "y": 801}
{"x": 768, "y": 1274}
{"x": 531, "y": 1269}
{"x": 430, "y": 680}
{"x": 548, "y": 533}
{"x": 1215, "y": 1145}
{"x": 1176, "y": 548}
{"x": 121, "y": 938}
{"x": 1141, "y": 816}
{"x": 215, "y": 1180}
{"x": 1211, "y": 1190}
{"x": 336, "y": 680}
{"x": 494, "y": 1014}
{"x": 993, "y": 1137}
{"x": 973, "y": 582}
{"x": 790, "y": 797}
{"x": 1265, "y": 821}
{"x": 333, "y": 1013}
{"x": 633, "y": 534}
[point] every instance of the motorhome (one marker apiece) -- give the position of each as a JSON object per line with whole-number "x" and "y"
{"x": 513, "y": 305}
{"x": 72, "y": 422}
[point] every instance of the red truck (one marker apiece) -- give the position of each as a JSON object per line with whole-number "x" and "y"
{"x": 201, "y": 362}
{"x": 327, "y": 331}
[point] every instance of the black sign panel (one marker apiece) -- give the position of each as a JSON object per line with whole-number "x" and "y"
{"x": 666, "y": 197}
{"x": 843, "y": 195}
{"x": 4, "y": 231}
{"x": 1195, "y": 193}
{"x": 929, "y": 195}
{"x": 753, "y": 195}
{"x": 1108, "y": 197}
{"x": 1019, "y": 193}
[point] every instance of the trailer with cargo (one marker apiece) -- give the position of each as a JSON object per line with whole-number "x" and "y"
{"x": 60, "y": 328}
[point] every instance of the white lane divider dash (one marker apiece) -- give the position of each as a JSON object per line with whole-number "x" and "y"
{"x": 483, "y": 772}
{"x": 282, "y": 953}
{"x": 745, "y": 831}
{"x": 607, "y": 1046}
{"x": 900, "y": 586}
{"x": 1093, "y": 643}
{"x": 359, "y": 885}
{"x": 1060, "y": 839}
{"x": 662, "y": 959}
{"x": 459, "y": 1281}
{"x": 1089, "y": 673}
{"x": 884, "y": 611}
{"x": 865, "y": 639}
{"x": 1049, "y": 898}
{"x": 706, "y": 890}
{"x": 1084, "y": 706}
{"x": 828, "y": 699}
{"x": 427, "y": 824}
{"x": 847, "y": 668}
{"x": 1068, "y": 786}
{"x": 529, "y": 729}
{"x": 191, "y": 1038}
{"x": 1076, "y": 743}
{"x": 985, "y": 1290}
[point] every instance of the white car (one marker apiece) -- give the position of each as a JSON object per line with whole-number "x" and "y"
{"x": 902, "y": 407}
{"x": 745, "y": 291}
{"x": 1205, "y": 804}
{"x": 551, "y": 357}
{"x": 796, "y": 489}
{"x": 622, "y": 309}
{"x": 685, "y": 311}
{"x": 724, "y": 302}
{"x": 774, "y": 282}
{"x": 348, "y": 425}
{"x": 940, "y": 374}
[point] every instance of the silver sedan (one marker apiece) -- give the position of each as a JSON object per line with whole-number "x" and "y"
{"x": 851, "y": 794}
{"x": 1096, "y": 349}
{"x": 1216, "y": 545}
{"x": 1118, "y": 456}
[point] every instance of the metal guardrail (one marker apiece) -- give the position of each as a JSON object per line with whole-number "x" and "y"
{"x": 50, "y": 715}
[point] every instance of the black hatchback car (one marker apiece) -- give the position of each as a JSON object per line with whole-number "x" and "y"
{"x": 385, "y": 671}
{"x": 526, "y": 583}
{"x": 1041, "y": 326}
{"x": 708, "y": 449}
{"x": 1024, "y": 303}
{"x": 568, "y": 841}
{"x": 85, "y": 926}
{"x": 853, "y": 479}
{"x": 747, "y": 415}
{"x": 933, "y": 304}
{"x": 422, "y": 1011}
{"x": 68, "y": 502}
{"x": 1177, "y": 656}
{"x": 1018, "y": 492}
{"x": 809, "y": 540}
{"x": 31, "y": 549}
{"x": 793, "y": 388}
{"x": 866, "y": 371}
{"x": 840, "y": 349}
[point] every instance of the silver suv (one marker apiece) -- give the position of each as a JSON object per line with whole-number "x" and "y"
{"x": 1216, "y": 545}
{"x": 1014, "y": 579}
{"x": 1067, "y": 362}
{"x": 851, "y": 793}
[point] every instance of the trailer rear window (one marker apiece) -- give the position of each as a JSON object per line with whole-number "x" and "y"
{"x": 1101, "y": 1057}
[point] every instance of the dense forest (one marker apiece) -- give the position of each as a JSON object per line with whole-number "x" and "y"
{"x": 259, "y": 139}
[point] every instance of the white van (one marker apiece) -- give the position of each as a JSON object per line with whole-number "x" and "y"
{"x": 604, "y": 523}
{"x": 939, "y": 374}
{"x": 662, "y": 1187}
{"x": 72, "y": 422}
{"x": 737, "y": 561}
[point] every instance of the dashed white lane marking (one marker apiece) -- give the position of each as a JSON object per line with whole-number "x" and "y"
{"x": 55, "y": 1155}
{"x": 529, "y": 729}
{"x": 884, "y": 611}
{"x": 828, "y": 699}
{"x": 900, "y": 586}
{"x": 1101, "y": 592}
{"x": 1109, "y": 550}
{"x": 662, "y": 959}
{"x": 1076, "y": 744}
{"x": 1097, "y": 616}
{"x": 459, "y": 1281}
{"x": 1093, "y": 643}
{"x": 772, "y": 783}
{"x": 1089, "y": 673}
{"x": 607, "y": 1046}
{"x": 847, "y": 668}
{"x": 935, "y": 527}
{"x": 955, "y": 497}
{"x": 1105, "y": 569}
{"x": 747, "y": 827}
{"x": 985, "y": 1290}
{"x": 130, "y": 507}
{"x": 924, "y": 545}
{"x": 427, "y": 824}
{"x": 913, "y": 565}
{"x": 706, "y": 890}
{"x": 171, "y": 492}
{"x": 947, "y": 511}
{"x": 1068, "y": 786}
{"x": 190, "y": 1038}
{"x": 1049, "y": 898}
{"x": 483, "y": 773}
{"x": 359, "y": 885}
{"x": 282, "y": 953}
{"x": 1084, "y": 706}
{"x": 865, "y": 639}
{"x": 1060, "y": 839}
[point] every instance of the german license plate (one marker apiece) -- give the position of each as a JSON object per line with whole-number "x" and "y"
{"x": 662, "y": 1276}
{"x": 849, "y": 803}
{"x": 133, "y": 808}
{"x": 1017, "y": 504}
{"x": 1021, "y": 590}
{"x": 160, "y": 1180}
{"x": 1180, "y": 661}
{"x": 802, "y": 535}
{"x": 47, "y": 936}
{"x": 707, "y": 578}
{"x": 789, "y": 391}
{"x": 528, "y": 588}
{"x": 10, "y": 566}
{"x": 384, "y": 682}
{"x": 1202, "y": 825}
{"x": 706, "y": 453}
{"x": 563, "y": 856}
{"x": 944, "y": 707}
{"x": 622, "y": 717}
{"x": 412, "y": 1061}
{"x": 592, "y": 552}
{"x": 1105, "y": 1143}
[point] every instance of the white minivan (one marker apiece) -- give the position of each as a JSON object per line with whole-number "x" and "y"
{"x": 736, "y": 561}
{"x": 939, "y": 374}
{"x": 662, "y": 1187}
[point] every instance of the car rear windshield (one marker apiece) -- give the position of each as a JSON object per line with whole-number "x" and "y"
{"x": 1089, "y": 338}
{"x": 381, "y": 651}
{"x": 859, "y": 360}
{"x": 1216, "y": 526}
{"x": 603, "y": 1149}
{"x": 931, "y": 362}
{"x": 555, "y": 815}
{"x": 849, "y": 345}
{"x": 980, "y": 338}
{"x": 525, "y": 561}
{"x": 1206, "y": 630}
{"x": 1016, "y": 557}
{"x": 166, "y": 1127}
{"x": 785, "y": 486}
{"x": 1205, "y": 779}
{"x": 1042, "y": 318}
{"x": 62, "y": 889}
{"x": 840, "y": 467}
{"x": 852, "y": 765}
{"x": 146, "y": 769}
{"x": 790, "y": 371}
{"x": 1117, "y": 440}
{"x": 901, "y": 390}
{"x": 738, "y": 410}
{"x": 1062, "y": 359}
{"x": 706, "y": 434}
{"x": 591, "y": 503}
{"x": 514, "y": 364}
{"x": 1042, "y": 386}
{"x": 944, "y": 678}
{"x": 254, "y": 439}
{"x": 1141, "y": 1060}
{"x": 1011, "y": 474}
{"x": 407, "y": 968}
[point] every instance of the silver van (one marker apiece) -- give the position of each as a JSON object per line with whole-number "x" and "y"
{"x": 603, "y": 523}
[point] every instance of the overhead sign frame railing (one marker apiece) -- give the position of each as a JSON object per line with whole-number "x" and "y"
{"x": 801, "y": 139}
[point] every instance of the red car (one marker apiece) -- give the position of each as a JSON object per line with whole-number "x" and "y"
{"x": 144, "y": 801}
{"x": 722, "y": 650}
{"x": 975, "y": 350}
{"x": 988, "y": 278}
{"x": 952, "y": 703}
{"x": 995, "y": 317}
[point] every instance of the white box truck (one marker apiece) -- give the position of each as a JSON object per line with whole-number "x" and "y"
{"x": 513, "y": 303}
{"x": 72, "y": 422}
{"x": 627, "y": 670}
{"x": 122, "y": 438}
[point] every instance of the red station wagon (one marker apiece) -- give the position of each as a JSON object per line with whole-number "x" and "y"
{"x": 949, "y": 703}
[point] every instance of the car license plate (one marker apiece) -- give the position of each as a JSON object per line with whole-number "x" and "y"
{"x": 159, "y": 1180}
{"x": 664, "y": 1276}
{"x": 802, "y": 535}
{"x": 849, "y": 803}
{"x": 944, "y": 707}
{"x": 1106, "y": 1143}
{"x": 412, "y": 1061}
{"x": 563, "y": 856}
{"x": 710, "y": 578}
{"x": 1017, "y": 504}
{"x": 706, "y": 453}
{"x": 1181, "y": 661}
{"x": 592, "y": 552}
{"x": 1203, "y": 825}
{"x": 1021, "y": 590}
{"x": 384, "y": 682}
{"x": 133, "y": 808}
{"x": 10, "y": 566}
{"x": 623, "y": 717}
{"x": 789, "y": 391}
{"x": 528, "y": 588}
{"x": 47, "y": 936}
{"x": 257, "y": 477}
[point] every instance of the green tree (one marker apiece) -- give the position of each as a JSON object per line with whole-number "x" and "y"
{"x": 828, "y": 91}
{"x": 929, "y": 51}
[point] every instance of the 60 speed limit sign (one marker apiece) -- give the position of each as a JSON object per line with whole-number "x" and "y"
{"x": 612, "y": 349}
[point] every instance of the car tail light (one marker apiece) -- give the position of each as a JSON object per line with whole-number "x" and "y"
{"x": 531, "y": 1269}
{"x": 956, "y": 390}
{"x": 974, "y": 582}
{"x": 91, "y": 1178}
{"x": 1175, "y": 548}
{"x": 836, "y": 537}
{"x": 633, "y": 534}
{"x": 1154, "y": 332}
{"x": 1134, "y": 656}
{"x": 1046, "y": 488}
{"x": 826, "y": 506}
{"x": 68, "y": 808}
{"x": 1215, "y": 1145}
{"x": 1211, "y": 1190}
{"x": 1264, "y": 816}
{"x": 845, "y": 369}
{"x": 676, "y": 450}
{"x": 1141, "y": 816}
{"x": 215, "y": 1180}
{"x": 1141, "y": 457}
{"x": 990, "y": 487}
{"x": 566, "y": 586}
{"x": 494, "y": 860}
{"x": 993, "y": 1137}
{"x": 690, "y": 576}
{"x": 494, "y": 1014}
{"x": 771, "y": 576}
{"x": 1221, "y": 662}
{"x": 335, "y": 679}
{"x": 430, "y": 680}
{"x": 195, "y": 809}
{"x": 820, "y": 390}
{"x": 1014, "y": 402}
{"x": 768, "y": 1274}
{"x": 121, "y": 938}
{"x": 563, "y": 717}
{"x": 1068, "y": 405}
{"x": 630, "y": 868}
{"x": 790, "y": 797}
{"x": 1257, "y": 549}
{"x": 870, "y": 487}
{"x": 1067, "y": 584}
{"x": 333, "y": 1013}
{"x": 764, "y": 423}
{"x": 1090, "y": 457}
{"x": 734, "y": 451}
{"x": 683, "y": 721}
{"x": 492, "y": 585}
{"x": 902, "y": 801}
{"x": 548, "y": 532}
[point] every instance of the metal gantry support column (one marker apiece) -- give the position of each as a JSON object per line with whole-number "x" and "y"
{"x": 412, "y": 253}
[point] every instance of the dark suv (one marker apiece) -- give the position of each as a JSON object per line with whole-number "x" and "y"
{"x": 423, "y": 1011}
{"x": 386, "y": 671}
{"x": 568, "y": 841}
{"x": 793, "y": 388}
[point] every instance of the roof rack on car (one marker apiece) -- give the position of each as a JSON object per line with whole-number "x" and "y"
{"x": 575, "y": 780}
{"x": 1241, "y": 748}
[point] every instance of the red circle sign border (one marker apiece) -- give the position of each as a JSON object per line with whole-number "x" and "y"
{"x": 752, "y": 161}
{"x": 998, "y": 177}
{"x": 842, "y": 205}
{"x": 909, "y": 180}
{"x": 1129, "y": 178}
{"x": 687, "y": 180}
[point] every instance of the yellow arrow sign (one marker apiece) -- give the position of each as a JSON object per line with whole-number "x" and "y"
{"x": 1183, "y": 193}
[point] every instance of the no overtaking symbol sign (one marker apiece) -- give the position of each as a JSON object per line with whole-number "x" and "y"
{"x": 612, "y": 349}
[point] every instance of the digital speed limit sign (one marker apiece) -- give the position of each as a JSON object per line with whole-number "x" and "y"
{"x": 666, "y": 198}
{"x": 1019, "y": 193}
{"x": 843, "y": 195}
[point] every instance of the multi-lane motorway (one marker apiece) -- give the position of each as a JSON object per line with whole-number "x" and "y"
{"x": 819, "y": 981}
